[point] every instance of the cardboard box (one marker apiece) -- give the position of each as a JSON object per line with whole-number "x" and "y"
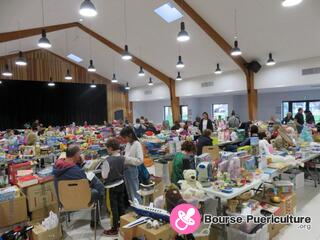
{"x": 290, "y": 203}
{"x": 40, "y": 233}
{"x": 40, "y": 196}
{"x": 40, "y": 214}
{"x": 13, "y": 211}
{"x": 165, "y": 232}
{"x": 127, "y": 233}
{"x": 296, "y": 177}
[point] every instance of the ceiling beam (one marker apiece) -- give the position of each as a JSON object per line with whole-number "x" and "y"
{"x": 10, "y": 36}
{"x": 212, "y": 33}
{"x": 166, "y": 79}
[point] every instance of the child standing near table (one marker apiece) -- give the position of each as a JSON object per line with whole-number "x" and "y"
{"x": 112, "y": 172}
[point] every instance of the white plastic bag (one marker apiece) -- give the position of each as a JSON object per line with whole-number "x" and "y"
{"x": 50, "y": 222}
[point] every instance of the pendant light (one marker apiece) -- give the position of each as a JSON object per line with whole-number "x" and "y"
{"x": 0, "y": 82}
{"x": 87, "y": 9}
{"x": 150, "y": 83}
{"x": 43, "y": 41}
{"x": 91, "y": 68}
{"x": 93, "y": 85}
{"x": 235, "y": 51}
{"x": 218, "y": 69}
{"x": 6, "y": 72}
{"x": 68, "y": 75}
{"x": 126, "y": 55}
{"x": 141, "y": 72}
{"x": 180, "y": 64}
{"x": 51, "y": 83}
{"x": 114, "y": 78}
{"x": 127, "y": 87}
{"x": 291, "y": 3}
{"x": 270, "y": 61}
{"x": 21, "y": 61}
{"x": 183, "y": 35}
{"x": 179, "y": 78}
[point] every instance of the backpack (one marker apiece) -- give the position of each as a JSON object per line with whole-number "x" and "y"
{"x": 144, "y": 175}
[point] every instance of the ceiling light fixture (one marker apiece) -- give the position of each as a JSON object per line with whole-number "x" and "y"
{"x": 291, "y": 3}
{"x": 179, "y": 78}
{"x": 44, "y": 41}
{"x": 127, "y": 87}
{"x": 87, "y": 9}
{"x": 21, "y": 61}
{"x": 7, "y": 72}
{"x": 68, "y": 75}
{"x": 0, "y": 82}
{"x": 180, "y": 64}
{"x": 91, "y": 68}
{"x": 235, "y": 51}
{"x": 141, "y": 72}
{"x": 218, "y": 69}
{"x": 51, "y": 83}
{"x": 93, "y": 85}
{"x": 183, "y": 35}
{"x": 150, "y": 83}
{"x": 126, "y": 55}
{"x": 270, "y": 61}
{"x": 114, "y": 78}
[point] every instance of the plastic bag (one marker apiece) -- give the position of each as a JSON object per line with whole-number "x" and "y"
{"x": 50, "y": 222}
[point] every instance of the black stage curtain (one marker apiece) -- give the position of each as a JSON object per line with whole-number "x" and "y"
{"x": 25, "y": 101}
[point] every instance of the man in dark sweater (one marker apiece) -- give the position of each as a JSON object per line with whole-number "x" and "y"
{"x": 112, "y": 172}
{"x": 204, "y": 140}
{"x": 299, "y": 120}
{"x": 70, "y": 169}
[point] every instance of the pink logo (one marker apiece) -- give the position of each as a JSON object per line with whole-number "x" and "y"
{"x": 185, "y": 219}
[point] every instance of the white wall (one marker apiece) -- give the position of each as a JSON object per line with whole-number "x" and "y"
{"x": 149, "y": 93}
{"x": 227, "y": 82}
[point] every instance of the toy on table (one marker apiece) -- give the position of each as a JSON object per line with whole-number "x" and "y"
{"x": 275, "y": 198}
{"x": 204, "y": 171}
{"x": 190, "y": 187}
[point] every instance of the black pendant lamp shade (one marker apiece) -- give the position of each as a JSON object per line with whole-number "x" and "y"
{"x": 126, "y": 55}
{"x": 51, "y": 83}
{"x": 91, "y": 68}
{"x": 236, "y": 50}
{"x": 21, "y": 61}
{"x": 270, "y": 61}
{"x": 218, "y": 69}
{"x": 180, "y": 64}
{"x": 141, "y": 72}
{"x": 44, "y": 41}
{"x": 87, "y": 9}
{"x": 183, "y": 35}
{"x": 127, "y": 87}
{"x": 150, "y": 83}
{"x": 114, "y": 78}
{"x": 7, "y": 72}
{"x": 68, "y": 75}
{"x": 179, "y": 78}
{"x": 93, "y": 85}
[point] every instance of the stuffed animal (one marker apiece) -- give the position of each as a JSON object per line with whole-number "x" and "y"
{"x": 190, "y": 187}
{"x": 172, "y": 197}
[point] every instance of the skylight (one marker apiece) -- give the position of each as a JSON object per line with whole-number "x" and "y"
{"x": 168, "y": 12}
{"x": 74, "y": 57}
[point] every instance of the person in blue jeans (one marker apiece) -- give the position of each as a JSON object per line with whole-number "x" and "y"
{"x": 133, "y": 158}
{"x": 69, "y": 168}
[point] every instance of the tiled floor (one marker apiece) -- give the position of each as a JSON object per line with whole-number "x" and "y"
{"x": 308, "y": 199}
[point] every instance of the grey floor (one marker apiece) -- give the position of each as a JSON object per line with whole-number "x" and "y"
{"x": 308, "y": 204}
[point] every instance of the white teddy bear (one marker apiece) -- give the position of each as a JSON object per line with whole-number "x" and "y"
{"x": 190, "y": 187}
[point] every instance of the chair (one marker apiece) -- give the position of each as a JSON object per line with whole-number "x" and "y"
{"x": 75, "y": 195}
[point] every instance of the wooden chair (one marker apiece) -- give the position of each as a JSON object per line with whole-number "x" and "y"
{"x": 75, "y": 195}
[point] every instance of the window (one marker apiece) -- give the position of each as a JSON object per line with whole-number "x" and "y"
{"x": 314, "y": 107}
{"x": 293, "y": 106}
{"x": 284, "y": 109}
{"x": 168, "y": 115}
{"x": 184, "y": 113}
{"x": 168, "y": 12}
{"x": 221, "y": 110}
